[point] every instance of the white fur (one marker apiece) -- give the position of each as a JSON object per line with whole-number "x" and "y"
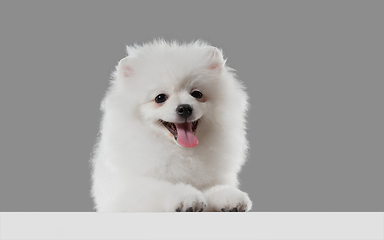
{"x": 137, "y": 164}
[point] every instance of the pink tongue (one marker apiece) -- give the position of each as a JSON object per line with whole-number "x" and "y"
{"x": 185, "y": 136}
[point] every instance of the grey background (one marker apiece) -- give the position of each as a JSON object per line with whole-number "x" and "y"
{"x": 313, "y": 70}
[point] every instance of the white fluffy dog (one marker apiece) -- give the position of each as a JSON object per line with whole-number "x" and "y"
{"x": 173, "y": 134}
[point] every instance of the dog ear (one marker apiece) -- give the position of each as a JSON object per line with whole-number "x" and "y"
{"x": 124, "y": 68}
{"x": 215, "y": 59}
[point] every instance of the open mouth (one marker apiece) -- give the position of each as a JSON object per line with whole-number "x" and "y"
{"x": 184, "y": 133}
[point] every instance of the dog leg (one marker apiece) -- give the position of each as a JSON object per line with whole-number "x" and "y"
{"x": 227, "y": 199}
{"x": 153, "y": 195}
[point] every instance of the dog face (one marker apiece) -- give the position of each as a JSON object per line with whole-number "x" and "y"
{"x": 175, "y": 88}
{"x": 179, "y": 111}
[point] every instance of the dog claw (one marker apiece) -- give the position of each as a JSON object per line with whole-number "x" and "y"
{"x": 178, "y": 209}
{"x": 233, "y": 210}
{"x": 201, "y": 209}
{"x": 223, "y": 209}
{"x": 189, "y": 209}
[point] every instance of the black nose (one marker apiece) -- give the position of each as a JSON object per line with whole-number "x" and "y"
{"x": 184, "y": 110}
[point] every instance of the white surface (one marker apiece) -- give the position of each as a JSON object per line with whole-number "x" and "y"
{"x": 253, "y": 225}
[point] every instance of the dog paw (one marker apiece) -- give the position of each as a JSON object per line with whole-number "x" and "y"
{"x": 185, "y": 198}
{"x": 227, "y": 199}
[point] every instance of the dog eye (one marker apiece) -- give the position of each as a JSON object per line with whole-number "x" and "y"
{"x": 161, "y": 98}
{"x": 197, "y": 94}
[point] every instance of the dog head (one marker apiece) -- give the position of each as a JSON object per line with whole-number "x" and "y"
{"x": 173, "y": 89}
